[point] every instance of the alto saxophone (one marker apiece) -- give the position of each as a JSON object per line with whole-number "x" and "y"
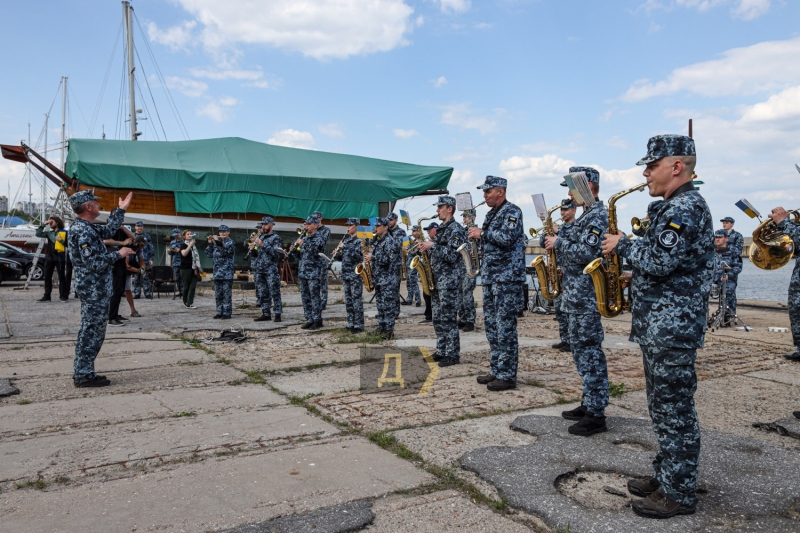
{"x": 422, "y": 264}
{"x": 470, "y": 252}
{"x": 607, "y": 273}
{"x": 549, "y": 281}
{"x": 364, "y": 269}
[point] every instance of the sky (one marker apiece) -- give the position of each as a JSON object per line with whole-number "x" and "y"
{"x": 522, "y": 89}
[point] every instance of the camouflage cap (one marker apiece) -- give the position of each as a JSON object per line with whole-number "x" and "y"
{"x": 667, "y": 145}
{"x": 568, "y": 204}
{"x": 469, "y": 213}
{"x": 414, "y": 228}
{"x": 317, "y": 214}
{"x": 312, "y": 220}
{"x": 176, "y": 231}
{"x": 267, "y": 220}
{"x": 139, "y": 223}
{"x": 446, "y": 200}
{"x": 391, "y": 216}
{"x": 223, "y": 227}
{"x": 259, "y": 224}
{"x": 728, "y": 219}
{"x": 353, "y": 221}
{"x": 432, "y": 225}
{"x": 381, "y": 221}
{"x": 492, "y": 182}
{"x": 720, "y": 233}
{"x": 592, "y": 175}
{"x": 81, "y": 197}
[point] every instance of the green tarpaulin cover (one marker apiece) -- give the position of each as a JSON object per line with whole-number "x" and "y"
{"x": 240, "y": 176}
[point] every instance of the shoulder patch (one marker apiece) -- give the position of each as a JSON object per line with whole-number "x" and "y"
{"x": 512, "y": 222}
{"x": 86, "y": 250}
{"x": 592, "y": 237}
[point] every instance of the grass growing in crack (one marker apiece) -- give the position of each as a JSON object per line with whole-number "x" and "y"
{"x": 367, "y": 337}
{"x": 301, "y": 400}
{"x": 24, "y": 402}
{"x": 253, "y": 376}
{"x": 195, "y": 343}
{"x": 223, "y": 360}
{"x": 561, "y": 400}
{"x": 616, "y": 390}
{"x": 183, "y": 414}
{"x": 38, "y": 484}
{"x": 501, "y": 504}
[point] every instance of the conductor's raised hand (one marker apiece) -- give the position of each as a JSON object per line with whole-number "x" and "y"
{"x": 124, "y": 204}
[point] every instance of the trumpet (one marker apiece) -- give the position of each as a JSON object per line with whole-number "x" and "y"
{"x": 640, "y": 225}
{"x": 534, "y": 232}
{"x": 300, "y": 230}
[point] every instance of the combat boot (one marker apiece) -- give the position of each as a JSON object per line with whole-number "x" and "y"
{"x": 356, "y": 331}
{"x": 307, "y": 325}
{"x": 560, "y": 345}
{"x": 215, "y": 316}
{"x": 317, "y": 325}
{"x": 566, "y": 347}
{"x": 575, "y": 414}
{"x": 262, "y": 318}
{"x": 793, "y": 356}
{"x": 643, "y": 487}
{"x": 448, "y": 361}
{"x": 277, "y": 318}
{"x": 658, "y": 505}
{"x": 588, "y": 425}
{"x": 97, "y": 381}
{"x": 436, "y": 357}
{"x": 468, "y": 327}
{"x": 501, "y": 385}
{"x": 796, "y": 414}
{"x": 483, "y": 380}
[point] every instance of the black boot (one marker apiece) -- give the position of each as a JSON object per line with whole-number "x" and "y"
{"x": 589, "y": 425}
{"x": 575, "y": 414}
{"x": 277, "y": 318}
{"x": 307, "y": 325}
{"x": 262, "y": 318}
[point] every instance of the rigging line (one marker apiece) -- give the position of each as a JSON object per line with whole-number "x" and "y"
{"x": 69, "y": 106}
{"x": 144, "y": 105}
{"x": 54, "y": 98}
{"x": 120, "y": 123}
{"x": 99, "y": 102}
{"x": 163, "y": 81}
{"x": 147, "y": 82}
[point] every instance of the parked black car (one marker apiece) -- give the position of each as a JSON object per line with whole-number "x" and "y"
{"x": 9, "y": 270}
{"x": 25, "y": 259}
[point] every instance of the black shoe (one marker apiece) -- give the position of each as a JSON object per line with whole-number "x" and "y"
{"x": 521, "y": 314}
{"x": 149, "y": 296}
{"x": 566, "y": 348}
{"x": 225, "y": 317}
{"x": 659, "y": 506}
{"x": 318, "y": 324}
{"x": 356, "y": 331}
{"x": 418, "y": 304}
{"x": 560, "y": 345}
{"x": 501, "y": 385}
{"x": 426, "y": 321}
{"x": 262, "y": 318}
{"x": 796, "y": 414}
{"x": 217, "y": 316}
{"x": 44, "y": 299}
{"x": 436, "y": 357}
{"x": 461, "y": 325}
{"x": 277, "y": 318}
{"x": 116, "y": 322}
{"x": 123, "y": 318}
{"x": 64, "y": 299}
{"x": 307, "y": 325}
{"x": 793, "y": 356}
{"x": 575, "y": 414}
{"x": 405, "y": 303}
{"x": 589, "y": 425}
{"x": 468, "y": 327}
{"x": 643, "y": 487}
{"x": 448, "y": 361}
{"x": 97, "y": 381}
{"x": 136, "y": 296}
{"x": 483, "y": 380}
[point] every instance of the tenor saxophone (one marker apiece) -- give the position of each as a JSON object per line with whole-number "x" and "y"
{"x": 364, "y": 270}
{"x": 547, "y": 273}
{"x": 606, "y": 272}
{"x": 422, "y": 264}
{"x": 470, "y": 252}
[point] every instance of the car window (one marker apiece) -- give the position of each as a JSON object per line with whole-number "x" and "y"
{"x": 11, "y": 247}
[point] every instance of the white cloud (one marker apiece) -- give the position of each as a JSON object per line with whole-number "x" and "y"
{"x": 227, "y": 71}
{"x": 177, "y": 37}
{"x": 439, "y": 82}
{"x": 463, "y": 179}
{"x": 483, "y": 26}
{"x": 331, "y": 130}
{"x": 293, "y": 139}
{"x": 518, "y": 169}
{"x": 405, "y": 134}
{"x": 192, "y": 88}
{"x": 323, "y": 30}
{"x": 218, "y": 110}
{"x": 764, "y": 66}
{"x": 462, "y": 116}
{"x": 742, "y": 9}
{"x": 750, "y": 9}
{"x": 617, "y": 142}
{"x": 461, "y": 156}
{"x": 453, "y": 6}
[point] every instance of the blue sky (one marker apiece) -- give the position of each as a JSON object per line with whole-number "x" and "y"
{"x": 517, "y": 88}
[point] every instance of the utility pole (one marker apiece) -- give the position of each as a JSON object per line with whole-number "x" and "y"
{"x": 127, "y": 11}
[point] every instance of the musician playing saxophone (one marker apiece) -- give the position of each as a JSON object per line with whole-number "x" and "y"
{"x": 268, "y": 279}
{"x": 352, "y": 255}
{"x": 399, "y": 236}
{"x": 309, "y": 274}
{"x": 577, "y": 246}
{"x": 385, "y": 275}
{"x": 671, "y": 281}
{"x": 781, "y": 217}
{"x": 412, "y": 278}
{"x": 448, "y": 271}
{"x": 466, "y": 312}
{"x": 567, "y": 218}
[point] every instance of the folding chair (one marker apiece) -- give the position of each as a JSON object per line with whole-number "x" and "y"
{"x": 163, "y": 278}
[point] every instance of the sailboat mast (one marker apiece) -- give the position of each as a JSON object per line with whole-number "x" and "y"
{"x": 46, "y": 125}
{"x": 127, "y": 11}
{"x": 63, "y": 121}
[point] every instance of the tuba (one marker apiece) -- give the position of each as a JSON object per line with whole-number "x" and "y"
{"x": 365, "y": 270}
{"x": 772, "y": 248}
{"x": 422, "y": 264}
{"x": 607, "y": 275}
{"x": 548, "y": 273}
{"x": 470, "y": 252}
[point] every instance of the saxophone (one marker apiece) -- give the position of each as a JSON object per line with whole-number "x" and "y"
{"x": 422, "y": 264}
{"x": 403, "y": 258}
{"x": 470, "y": 252}
{"x": 365, "y": 270}
{"x": 607, "y": 273}
{"x": 549, "y": 281}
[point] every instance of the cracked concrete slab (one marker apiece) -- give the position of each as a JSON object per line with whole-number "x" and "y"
{"x": 335, "y": 519}
{"x": 217, "y": 493}
{"x": 744, "y": 480}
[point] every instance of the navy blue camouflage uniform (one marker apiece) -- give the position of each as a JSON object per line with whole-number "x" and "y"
{"x": 267, "y": 275}
{"x": 222, "y": 255}
{"x": 254, "y": 261}
{"x": 175, "y": 261}
{"x": 352, "y": 256}
{"x": 792, "y": 229}
{"x": 576, "y": 246}
{"x": 448, "y": 271}
{"x": 561, "y": 316}
{"x": 672, "y": 267}
{"x": 735, "y": 241}
{"x": 412, "y": 282}
{"x": 325, "y": 234}
{"x": 92, "y": 264}
{"x": 308, "y": 273}
{"x": 143, "y": 278}
{"x": 399, "y": 236}
{"x": 734, "y": 261}
{"x": 502, "y": 276}
{"x": 386, "y": 278}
